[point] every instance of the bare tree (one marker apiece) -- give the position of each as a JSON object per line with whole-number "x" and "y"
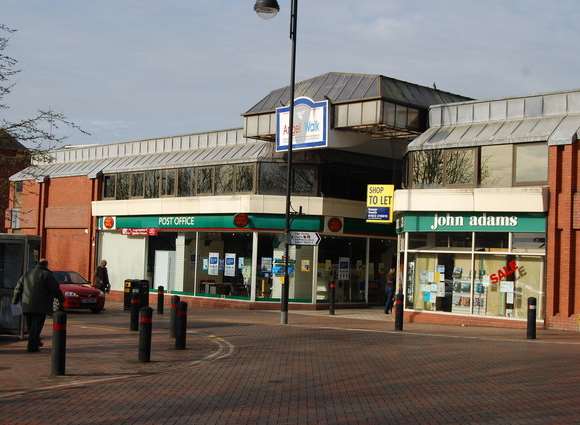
{"x": 39, "y": 133}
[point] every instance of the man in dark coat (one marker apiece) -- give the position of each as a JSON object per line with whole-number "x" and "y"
{"x": 36, "y": 289}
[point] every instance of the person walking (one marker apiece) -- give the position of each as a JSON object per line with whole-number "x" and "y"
{"x": 389, "y": 290}
{"x": 102, "y": 277}
{"x": 36, "y": 289}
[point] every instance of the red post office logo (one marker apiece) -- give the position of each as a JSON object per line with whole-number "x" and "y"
{"x": 109, "y": 222}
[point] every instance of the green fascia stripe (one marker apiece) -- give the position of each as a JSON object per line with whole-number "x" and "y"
{"x": 216, "y": 221}
{"x": 227, "y": 297}
{"x": 292, "y": 300}
{"x": 358, "y": 226}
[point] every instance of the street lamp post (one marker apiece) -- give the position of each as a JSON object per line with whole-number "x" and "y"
{"x": 267, "y": 9}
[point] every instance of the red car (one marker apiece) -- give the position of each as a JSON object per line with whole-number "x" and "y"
{"x": 78, "y": 292}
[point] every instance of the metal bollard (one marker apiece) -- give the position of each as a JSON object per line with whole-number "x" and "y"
{"x": 332, "y": 285}
{"x": 145, "y": 328}
{"x": 172, "y": 316}
{"x": 160, "y": 299}
{"x": 135, "y": 305}
{"x": 531, "y": 333}
{"x": 181, "y": 326}
{"x": 399, "y": 310}
{"x": 58, "y": 352}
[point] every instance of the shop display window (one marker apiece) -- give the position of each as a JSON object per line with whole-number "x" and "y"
{"x": 224, "y": 265}
{"x": 342, "y": 260}
{"x": 382, "y": 256}
{"x": 270, "y": 273}
{"x": 491, "y": 241}
{"x": 503, "y": 284}
{"x": 528, "y": 242}
{"x": 439, "y": 282}
{"x": 440, "y": 241}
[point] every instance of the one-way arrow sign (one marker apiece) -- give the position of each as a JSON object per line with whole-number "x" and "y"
{"x": 304, "y": 238}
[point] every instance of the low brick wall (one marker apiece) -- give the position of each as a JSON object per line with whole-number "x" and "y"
{"x": 450, "y": 319}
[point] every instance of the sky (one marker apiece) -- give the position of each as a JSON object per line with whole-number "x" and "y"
{"x": 127, "y": 69}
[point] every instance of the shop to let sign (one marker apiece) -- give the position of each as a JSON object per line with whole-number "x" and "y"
{"x": 380, "y": 203}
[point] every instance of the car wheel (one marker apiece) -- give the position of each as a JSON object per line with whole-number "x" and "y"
{"x": 96, "y": 310}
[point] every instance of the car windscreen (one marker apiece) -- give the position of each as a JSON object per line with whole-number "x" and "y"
{"x": 69, "y": 277}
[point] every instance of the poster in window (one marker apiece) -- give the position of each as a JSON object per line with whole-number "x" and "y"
{"x": 230, "y": 265}
{"x": 266, "y": 264}
{"x": 214, "y": 263}
{"x": 344, "y": 268}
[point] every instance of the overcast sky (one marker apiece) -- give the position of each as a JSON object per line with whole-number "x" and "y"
{"x": 128, "y": 69}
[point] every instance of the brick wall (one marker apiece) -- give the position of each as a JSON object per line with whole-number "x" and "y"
{"x": 563, "y": 274}
{"x": 59, "y": 210}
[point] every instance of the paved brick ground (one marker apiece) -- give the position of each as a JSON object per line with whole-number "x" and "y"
{"x": 319, "y": 370}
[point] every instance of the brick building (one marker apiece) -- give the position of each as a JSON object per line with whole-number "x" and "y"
{"x": 489, "y": 216}
{"x": 167, "y": 210}
{"x": 13, "y": 158}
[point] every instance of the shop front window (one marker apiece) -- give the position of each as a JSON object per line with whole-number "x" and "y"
{"x": 224, "y": 265}
{"x": 439, "y": 282}
{"x": 382, "y": 256}
{"x": 503, "y": 284}
{"x": 440, "y": 241}
{"x": 342, "y": 260}
{"x": 491, "y": 241}
{"x": 271, "y": 253}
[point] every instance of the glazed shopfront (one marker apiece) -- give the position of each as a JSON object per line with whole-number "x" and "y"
{"x": 239, "y": 257}
{"x": 473, "y": 263}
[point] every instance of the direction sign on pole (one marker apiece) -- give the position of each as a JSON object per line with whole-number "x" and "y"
{"x": 304, "y": 238}
{"x": 380, "y": 203}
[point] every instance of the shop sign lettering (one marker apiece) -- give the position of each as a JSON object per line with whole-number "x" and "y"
{"x": 511, "y": 270}
{"x": 482, "y": 220}
{"x": 310, "y": 126}
{"x": 177, "y": 221}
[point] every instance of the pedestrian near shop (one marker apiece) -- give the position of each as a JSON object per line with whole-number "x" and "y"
{"x": 101, "y": 280}
{"x": 390, "y": 290}
{"x": 36, "y": 290}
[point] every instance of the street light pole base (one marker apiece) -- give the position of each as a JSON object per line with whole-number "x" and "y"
{"x": 283, "y": 317}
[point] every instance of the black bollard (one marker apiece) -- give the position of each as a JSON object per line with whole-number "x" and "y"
{"x": 531, "y": 334}
{"x": 332, "y": 285}
{"x": 135, "y": 305}
{"x": 181, "y": 326}
{"x": 58, "y": 352}
{"x": 399, "y": 310}
{"x": 160, "y": 299}
{"x": 173, "y": 315}
{"x": 145, "y": 328}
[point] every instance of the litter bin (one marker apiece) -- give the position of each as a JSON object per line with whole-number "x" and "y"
{"x": 130, "y": 285}
{"x": 143, "y": 286}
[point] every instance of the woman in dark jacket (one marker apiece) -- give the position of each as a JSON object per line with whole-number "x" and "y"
{"x": 102, "y": 277}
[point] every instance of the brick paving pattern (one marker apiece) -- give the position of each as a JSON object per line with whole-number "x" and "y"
{"x": 319, "y": 370}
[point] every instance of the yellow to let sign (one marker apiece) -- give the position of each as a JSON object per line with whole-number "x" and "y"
{"x": 380, "y": 199}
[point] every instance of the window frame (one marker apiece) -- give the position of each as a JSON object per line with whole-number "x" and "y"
{"x": 162, "y": 175}
{"x": 114, "y": 178}
{"x": 515, "y": 183}
{"x": 212, "y": 172}
{"x": 236, "y": 177}
{"x": 131, "y": 196}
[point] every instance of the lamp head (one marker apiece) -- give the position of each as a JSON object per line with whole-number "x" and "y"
{"x": 266, "y": 9}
